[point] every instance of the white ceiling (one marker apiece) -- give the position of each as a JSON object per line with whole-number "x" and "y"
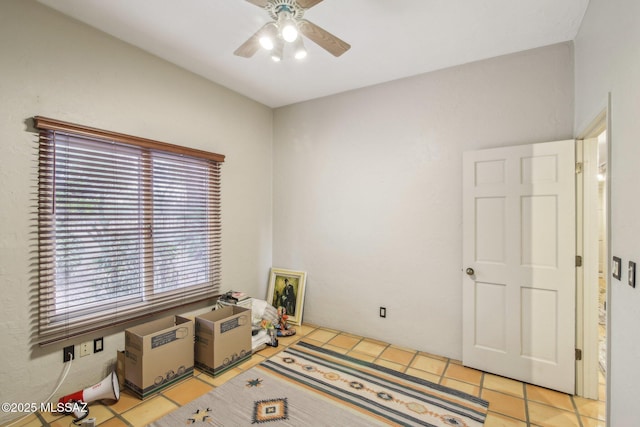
{"x": 390, "y": 39}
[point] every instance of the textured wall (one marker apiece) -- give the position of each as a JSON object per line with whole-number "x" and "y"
{"x": 607, "y": 52}
{"x": 56, "y": 67}
{"x": 368, "y": 196}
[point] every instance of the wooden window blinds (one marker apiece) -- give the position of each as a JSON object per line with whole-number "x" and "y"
{"x": 127, "y": 227}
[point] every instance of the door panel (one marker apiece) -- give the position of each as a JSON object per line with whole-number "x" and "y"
{"x": 490, "y": 230}
{"x": 519, "y": 239}
{"x": 539, "y": 227}
{"x": 491, "y": 320}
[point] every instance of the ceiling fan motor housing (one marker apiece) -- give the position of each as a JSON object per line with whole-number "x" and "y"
{"x": 275, "y": 7}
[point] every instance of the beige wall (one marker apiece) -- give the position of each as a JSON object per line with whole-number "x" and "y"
{"x": 56, "y": 67}
{"x": 607, "y": 52}
{"x": 368, "y": 192}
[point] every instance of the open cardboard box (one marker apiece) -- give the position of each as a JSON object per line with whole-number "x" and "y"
{"x": 158, "y": 354}
{"x": 223, "y": 339}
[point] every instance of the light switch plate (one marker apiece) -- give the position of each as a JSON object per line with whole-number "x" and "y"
{"x": 98, "y": 345}
{"x": 632, "y": 274}
{"x": 616, "y": 268}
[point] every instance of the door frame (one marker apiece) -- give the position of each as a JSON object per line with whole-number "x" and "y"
{"x": 587, "y": 228}
{"x": 587, "y": 315}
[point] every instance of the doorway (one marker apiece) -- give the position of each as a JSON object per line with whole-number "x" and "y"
{"x": 593, "y": 246}
{"x": 603, "y": 258}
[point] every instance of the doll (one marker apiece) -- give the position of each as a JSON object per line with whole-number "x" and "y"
{"x": 283, "y": 328}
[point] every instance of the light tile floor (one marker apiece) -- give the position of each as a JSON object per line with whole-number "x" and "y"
{"x": 511, "y": 403}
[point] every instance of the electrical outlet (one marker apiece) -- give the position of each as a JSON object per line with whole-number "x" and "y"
{"x": 68, "y": 353}
{"x": 383, "y": 312}
{"x": 98, "y": 345}
{"x": 85, "y": 349}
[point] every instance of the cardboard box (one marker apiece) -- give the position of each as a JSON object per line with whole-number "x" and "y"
{"x": 158, "y": 354}
{"x": 223, "y": 339}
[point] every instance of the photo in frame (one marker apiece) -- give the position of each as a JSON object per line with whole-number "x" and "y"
{"x": 286, "y": 289}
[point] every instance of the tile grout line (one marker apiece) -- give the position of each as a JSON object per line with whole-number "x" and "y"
{"x": 526, "y": 404}
{"x": 171, "y": 400}
{"x": 411, "y": 361}
{"x": 142, "y": 402}
{"x": 117, "y": 415}
{"x": 377, "y": 358}
{"x": 577, "y": 412}
{"x": 480, "y": 389}
{"x": 123, "y": 419}
{"x": 353, "y": 346}
{"x": 40, "y": 417}
{"x": 446, "y": 366}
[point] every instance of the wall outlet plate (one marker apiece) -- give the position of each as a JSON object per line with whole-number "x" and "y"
{"x": 632, "y": 274}
{"x": 68, "y": 353}
{"x": 85, "y": 349}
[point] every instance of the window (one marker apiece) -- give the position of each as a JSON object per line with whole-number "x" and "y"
{"x": 127, "y": 227}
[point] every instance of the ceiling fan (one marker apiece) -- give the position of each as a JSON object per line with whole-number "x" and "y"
{"x": 287, "y": 22}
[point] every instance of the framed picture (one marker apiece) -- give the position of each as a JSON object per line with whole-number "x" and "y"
{"x": 286, "y": 289}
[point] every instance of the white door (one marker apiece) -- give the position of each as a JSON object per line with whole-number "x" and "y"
{"x": 519, "y": 263}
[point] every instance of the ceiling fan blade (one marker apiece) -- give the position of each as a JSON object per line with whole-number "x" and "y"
{"x": 323, "y": 38}
{"x": 259, "y": 3}
{"x": 250, "y": 47}
{"x": 307, "y": 4}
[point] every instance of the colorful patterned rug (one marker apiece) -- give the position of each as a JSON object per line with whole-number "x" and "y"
{"x": 305, "y": 385}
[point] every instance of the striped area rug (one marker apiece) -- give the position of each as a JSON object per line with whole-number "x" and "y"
{"x": 305, "y": 385}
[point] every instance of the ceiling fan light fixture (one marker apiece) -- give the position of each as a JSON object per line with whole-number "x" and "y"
{"x": 276, "y": 53}
{"x": 267, "y": 36}
{"x": 288, "y": 27}
{"x": 299, "y": 52}
{"x": 266, "y": 43}
{"x": 290, "y": 33}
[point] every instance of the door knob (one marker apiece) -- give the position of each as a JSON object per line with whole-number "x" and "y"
{"x": 470, "y": 271}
